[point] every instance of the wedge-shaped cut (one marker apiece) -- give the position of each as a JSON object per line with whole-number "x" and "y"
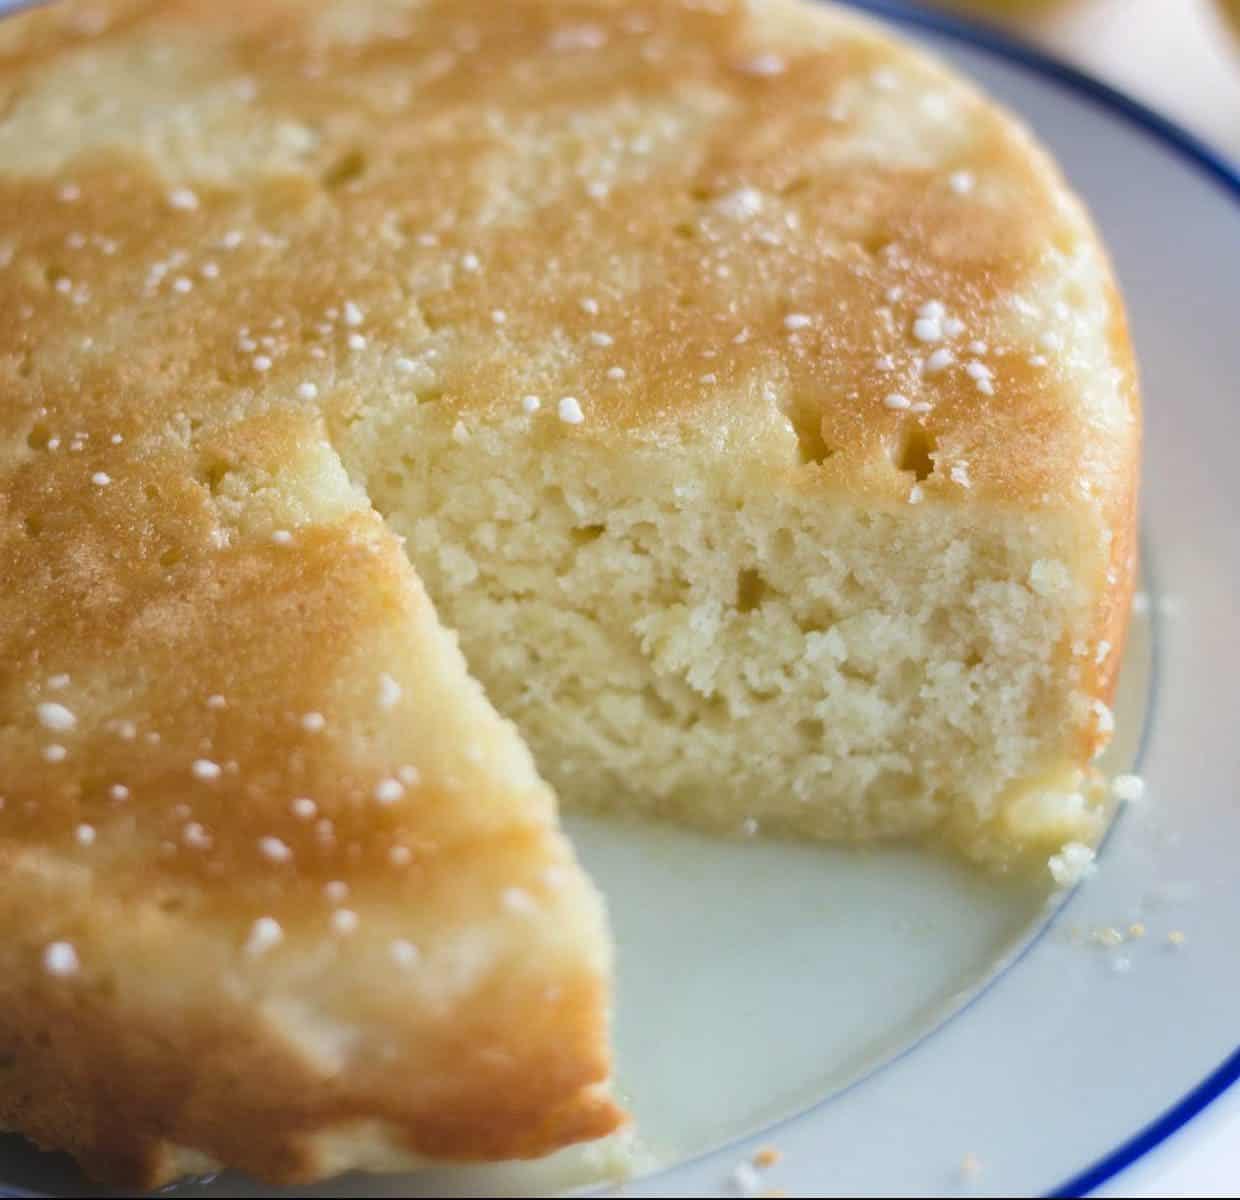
{"x": 754, "y": 401}
{"x": 280, "y": 890}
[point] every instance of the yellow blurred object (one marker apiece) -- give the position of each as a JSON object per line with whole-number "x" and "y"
{"x": 1002, "y": 7}
{"x": 1231, "y": 10}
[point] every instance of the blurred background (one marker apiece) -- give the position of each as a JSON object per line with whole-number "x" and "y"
{"x": 1181, "y": 57}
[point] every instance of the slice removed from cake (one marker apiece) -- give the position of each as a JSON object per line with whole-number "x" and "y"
{"x": 279, "y": 889}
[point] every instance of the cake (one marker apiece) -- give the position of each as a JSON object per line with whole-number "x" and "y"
{"x": 751, "y": 398}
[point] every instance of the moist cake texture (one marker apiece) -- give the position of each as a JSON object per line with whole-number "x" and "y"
{"x": 754, "y": 402}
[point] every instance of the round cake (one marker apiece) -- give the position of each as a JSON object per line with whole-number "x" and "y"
{"x": 750, "y": 398}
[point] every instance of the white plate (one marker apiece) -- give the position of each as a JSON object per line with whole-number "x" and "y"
{"x": 880, "y": 1016}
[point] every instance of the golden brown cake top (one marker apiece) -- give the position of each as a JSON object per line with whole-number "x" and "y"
{"x": 675, "y": 214}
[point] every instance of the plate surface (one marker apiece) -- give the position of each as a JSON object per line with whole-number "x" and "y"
{"x": 880, "y": 1016}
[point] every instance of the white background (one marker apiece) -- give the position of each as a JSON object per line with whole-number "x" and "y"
{"x": 1179, "y": 56}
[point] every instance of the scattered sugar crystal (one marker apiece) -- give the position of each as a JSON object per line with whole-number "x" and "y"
{"x": 389, "y": 691}
{"x": 388, "y": 791}
{"x": 518, "y": 900}
{"x": 404, "y": 953}
{"x": 195, "y": 836}
{"x": 569, "y": 410}
{"x": 55, "y": 716}
{"x": 61, "y": 959}
{"x": 265, "y": 934}
{"x": 765, "y": 66}
{"x": 740, "y": 205}
{"x": 344, "y": 921}
{"x": 274, "y": 849}
{"x": 577, "y": 37}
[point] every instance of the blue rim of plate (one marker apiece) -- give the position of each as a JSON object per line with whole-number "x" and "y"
{"x": 1225, "y": 174}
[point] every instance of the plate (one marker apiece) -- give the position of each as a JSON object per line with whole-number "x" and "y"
{"x": 890, "y": 1022}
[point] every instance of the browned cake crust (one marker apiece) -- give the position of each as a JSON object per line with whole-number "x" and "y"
{"x": 173, "y": 1033}
{"x": 222, "y": 225}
